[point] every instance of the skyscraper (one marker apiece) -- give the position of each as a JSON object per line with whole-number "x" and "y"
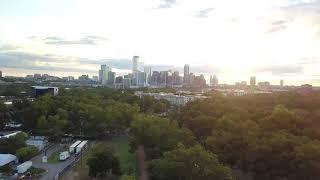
{"x": 0, "y": 74}
{"x": 281, "y": 83}
{"x": 111, "y": 78}
{"x": 186, "y": 74}
{"x": 214, "y": 81}
{"x": 135, "y": 61}
{"x": 252, "y": 81}
{"x": 103, "y": 74}
{"x": 147, "y": 71}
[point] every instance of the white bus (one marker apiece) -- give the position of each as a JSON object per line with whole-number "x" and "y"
{"x": 81, "y": 146}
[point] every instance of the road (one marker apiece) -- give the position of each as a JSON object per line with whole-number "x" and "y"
{"x": 52, "y": 168}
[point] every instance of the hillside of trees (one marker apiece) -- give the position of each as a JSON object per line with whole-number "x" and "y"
{"x": 267, "y": 136}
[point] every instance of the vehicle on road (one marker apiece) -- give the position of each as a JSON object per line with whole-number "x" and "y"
{"x": 64, "y": 156}
{"x": 72, "y": 148}
{"x": 81, "y": 146}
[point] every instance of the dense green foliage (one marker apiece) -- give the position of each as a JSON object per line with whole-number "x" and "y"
{"x": 11, "y": 144}
{"x": 172, "y": 151}
{"x": 273, "y": 136}
{"x": 270, "y": 136}
{"x": 188, "y": 164}
{"x": 26, "y": 153}
{"x": 88, "y": 112}
{"x": 102, "y": 162}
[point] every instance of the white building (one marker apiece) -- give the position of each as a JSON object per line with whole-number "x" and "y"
{"x": 6, "y": 159}
{"x": 179, "y": 100}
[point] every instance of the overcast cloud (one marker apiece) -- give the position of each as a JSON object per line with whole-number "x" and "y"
{"x": 271, "y": 39}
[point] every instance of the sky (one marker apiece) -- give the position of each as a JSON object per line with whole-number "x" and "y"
{"x": 234, "y": 39}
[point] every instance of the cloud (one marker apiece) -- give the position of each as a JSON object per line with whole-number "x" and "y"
{"x": 279, "y": 25}
{"x": 55, "y": 40}
{"x": 52, "y": 63}
{"x": 309, "y": 61}
{"x": 204, "y": 13}
{"x": 280, "y": 70}
{"x": 167, "y": 4}
{"x": 8, "y": 47}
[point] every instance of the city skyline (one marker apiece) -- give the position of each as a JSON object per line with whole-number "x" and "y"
{"x": 269, "y": 39}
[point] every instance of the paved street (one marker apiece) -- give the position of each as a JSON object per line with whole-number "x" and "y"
{"x": 52, "y": 168}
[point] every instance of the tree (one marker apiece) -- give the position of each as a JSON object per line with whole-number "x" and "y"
{"x": 26, "y": 153}
{"x": 184, "y": 163}
{"x": 102, "y": 161}
{"x": 11, "y": 144}
{"x": 158, "y": 135}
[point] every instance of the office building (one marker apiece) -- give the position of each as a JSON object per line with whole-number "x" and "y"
{"x": 214, "y": 81}
{"x": 281, "y": 83}
{"x": 111, "y": 78}
{"x": 176, "y": 79}
{"x": 0, "y": 74}
{"x": 138, "y": 79}
{"x": 103, "y": 74}
{"x": 155, "y": 78}
{"x": 186, "y": 74}
{"x": 135, "y": 62}
{"x": 147, "y": 71}
{"x": 253, "y": 81}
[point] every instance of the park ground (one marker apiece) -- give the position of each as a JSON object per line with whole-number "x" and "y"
{"x": 121, "y": 147}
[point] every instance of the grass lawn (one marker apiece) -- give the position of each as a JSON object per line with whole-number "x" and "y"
{"x": 54, "y": 158}
{"x": 121, "y": 147}
{"x": 127, "y": 159}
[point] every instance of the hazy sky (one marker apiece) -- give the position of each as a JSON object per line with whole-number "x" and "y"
{"x": 272, "y": 39}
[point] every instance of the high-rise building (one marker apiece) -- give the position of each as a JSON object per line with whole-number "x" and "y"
{"x": 186, "y": 74}
{"x": 164, "y": 77}
{"x": 147, "y": 71}
{"x": 0, "y": 74}
{"x": 135, "y": 62}
{"x": 214, "y": 81}
{"x": 252, "y": 81}
{"x": 176, "y": 79}
{"x": 138, "y": 79}
{"x": 281, "y": 83}
{"x": 155, "y": 78}
{"x": 111, "y": 78}
{"x": 103, "y": 74}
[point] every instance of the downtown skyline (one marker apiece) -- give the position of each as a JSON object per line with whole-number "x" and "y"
{"x": 271, "y": 40}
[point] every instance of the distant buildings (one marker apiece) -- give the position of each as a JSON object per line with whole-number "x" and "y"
{"x": 84, "y": 78}
{"x": 0, "y": 74}
{"x": 264, "y": 85}
{"x": 178, "y": 100}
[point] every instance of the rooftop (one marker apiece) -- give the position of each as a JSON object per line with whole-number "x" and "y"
{"x": 6, "y": 159}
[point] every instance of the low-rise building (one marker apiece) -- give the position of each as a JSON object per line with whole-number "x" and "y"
{"x": 42, "y": 90}
{"x": 179, "y": 100}
{"x": 7, "y": 159}
{"x": 39, "y": 142}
